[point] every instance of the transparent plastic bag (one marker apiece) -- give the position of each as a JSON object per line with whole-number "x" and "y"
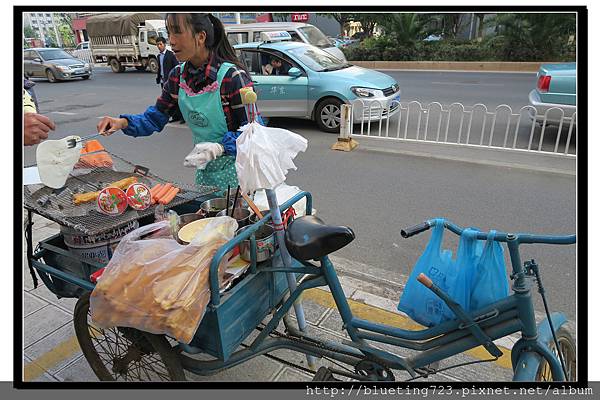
{"x": 154, "y": 284}
{"x": 264, "y": 156}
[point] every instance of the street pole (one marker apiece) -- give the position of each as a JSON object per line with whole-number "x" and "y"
{"x": 238, "y": 18}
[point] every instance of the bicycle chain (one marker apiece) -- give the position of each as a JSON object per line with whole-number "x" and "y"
{"x": 323, "y": 346}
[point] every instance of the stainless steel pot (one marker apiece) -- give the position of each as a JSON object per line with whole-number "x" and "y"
{"x": 241, "y": 215}
{"x": 265, "y": 244}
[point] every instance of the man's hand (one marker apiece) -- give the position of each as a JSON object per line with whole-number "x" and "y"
{"x": 36, "y": 128}
{"x": 109, "y": 125}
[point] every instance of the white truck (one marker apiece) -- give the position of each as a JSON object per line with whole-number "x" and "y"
{"x": 126, "y": 40}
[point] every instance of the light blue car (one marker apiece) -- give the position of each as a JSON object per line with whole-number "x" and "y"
{"x": 555, "y": 94}
{"x": 313, "y": 84}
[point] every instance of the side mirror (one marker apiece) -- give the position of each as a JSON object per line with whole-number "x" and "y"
{"x": 294, "y": 72}
{"x": 37, "y": 59}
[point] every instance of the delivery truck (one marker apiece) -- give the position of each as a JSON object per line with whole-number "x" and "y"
{"x": 126, "y": 40}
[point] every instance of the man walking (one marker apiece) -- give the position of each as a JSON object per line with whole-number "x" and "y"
{"x": 166, "y": 62}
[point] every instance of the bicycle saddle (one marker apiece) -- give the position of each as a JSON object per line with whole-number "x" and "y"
{"x": 309, "y": 238}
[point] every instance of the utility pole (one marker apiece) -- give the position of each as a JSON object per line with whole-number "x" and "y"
{"x": 238, "y": 18}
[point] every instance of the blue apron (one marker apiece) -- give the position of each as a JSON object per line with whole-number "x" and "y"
{"x": 203, "y": 112}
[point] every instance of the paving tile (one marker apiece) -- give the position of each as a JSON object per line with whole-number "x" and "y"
{"x": 64, "y": 303}
{"x": 333, "y": 322}
{"x": 77, "y": 371}
{"x": 31, "y": 304}
{"x": 43, "y": 322}
{"x": 258, "y": 369}
{"x": 376, "y": 301}
{"x": 57, "y": 350}
{"x": 349, "y": 285}
{"x": 292, "y": 375}
{"x": 312, "y": 312}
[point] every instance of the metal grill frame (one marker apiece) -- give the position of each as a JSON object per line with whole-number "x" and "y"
{"x": 94, "y": 222}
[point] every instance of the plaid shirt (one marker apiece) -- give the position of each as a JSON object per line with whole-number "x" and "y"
{"x": 198, "y": 78}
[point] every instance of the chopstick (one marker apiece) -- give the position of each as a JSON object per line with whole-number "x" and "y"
{"x": 252, "y": 205}
{"x": 237, "y": 192}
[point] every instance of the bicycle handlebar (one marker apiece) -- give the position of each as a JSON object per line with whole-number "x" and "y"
{"x": 499, "y": 236}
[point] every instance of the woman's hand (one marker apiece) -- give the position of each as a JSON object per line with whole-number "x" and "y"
{"x": 108, "y": 125}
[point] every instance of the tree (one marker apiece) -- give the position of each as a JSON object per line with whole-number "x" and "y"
{"x": 341, "y": 18}
{"x": 540, "y": 35}
{"x": 368, "y": 21}
{"x": 29, "y": 32}
{"x": 407, "y": 28}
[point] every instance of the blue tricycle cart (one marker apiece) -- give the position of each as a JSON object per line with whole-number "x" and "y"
{"x": 261, "y": 301}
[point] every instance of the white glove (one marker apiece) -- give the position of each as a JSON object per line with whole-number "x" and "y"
{"x": 202, "y": 154}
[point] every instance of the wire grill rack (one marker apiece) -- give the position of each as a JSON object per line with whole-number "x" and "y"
{"x": 90, "y": 175}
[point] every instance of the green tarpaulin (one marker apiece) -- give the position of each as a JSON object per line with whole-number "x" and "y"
{"x": 117, "y": 24}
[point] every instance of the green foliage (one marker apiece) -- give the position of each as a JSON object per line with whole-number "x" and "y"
{"x": 29, "y": 32}
{"x": 388, "y": 48}
{"x": 538, "y": 37}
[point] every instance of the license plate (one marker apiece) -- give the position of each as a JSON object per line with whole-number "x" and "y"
{"x": 78, "y": 72}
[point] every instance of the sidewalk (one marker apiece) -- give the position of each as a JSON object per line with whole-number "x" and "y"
{"x": 51, "y": 351}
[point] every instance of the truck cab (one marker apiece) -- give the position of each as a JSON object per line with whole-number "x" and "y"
{"x": 148, "y": 33}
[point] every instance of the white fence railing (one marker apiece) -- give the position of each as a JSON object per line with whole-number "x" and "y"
{"x": 83, "y": 55}
{"x": 454, "y": 124}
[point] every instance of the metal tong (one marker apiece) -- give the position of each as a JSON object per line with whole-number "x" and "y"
{"x": 73, "y": 142}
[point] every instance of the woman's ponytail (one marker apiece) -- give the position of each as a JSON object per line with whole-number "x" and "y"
{"x": 220, "y": 45}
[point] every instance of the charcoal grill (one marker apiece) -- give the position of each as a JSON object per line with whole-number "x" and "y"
{"x": 57, "y": 204}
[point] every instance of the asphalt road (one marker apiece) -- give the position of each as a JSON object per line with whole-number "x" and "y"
{"x": 376, "y": 194}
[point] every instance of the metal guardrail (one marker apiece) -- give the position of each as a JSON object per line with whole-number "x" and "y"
{"x": 83, "y": 55}
{"x": 501, "y": 128}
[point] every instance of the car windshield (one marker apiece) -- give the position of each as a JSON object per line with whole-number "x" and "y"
{"x": 162, "y": 32}
{"x": 317, "y": 59}
{"x": 315, "y": 36}
{"x": 54, "y": 54}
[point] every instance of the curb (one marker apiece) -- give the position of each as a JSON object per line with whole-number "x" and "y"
{"x": 471, "y": 66}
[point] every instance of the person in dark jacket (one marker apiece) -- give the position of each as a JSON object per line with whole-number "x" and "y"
{"x": 166, "y": 62}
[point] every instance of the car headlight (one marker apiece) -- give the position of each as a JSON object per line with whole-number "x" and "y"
{"x": 86, "y": 65}
{"x": 363, "y": 92}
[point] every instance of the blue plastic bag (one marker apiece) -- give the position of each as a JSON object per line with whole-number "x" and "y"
{"x": 454, "y": 277}
{"x": 490, "y": 281}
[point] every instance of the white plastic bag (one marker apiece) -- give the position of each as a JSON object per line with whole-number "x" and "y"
{"x": 264, "y": 156}
{"x": 157, "y": 285}
{"x": 284, "y": 192}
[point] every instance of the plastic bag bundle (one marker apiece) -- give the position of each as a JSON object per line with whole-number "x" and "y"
{"x": 264, "y": 156}
{"x": 490, "y": 283}
{"x": 475, "y": 279}
{"x": 157, "y": 285}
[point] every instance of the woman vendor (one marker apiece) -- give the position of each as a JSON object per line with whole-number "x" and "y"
{"x": 206, "y": 86}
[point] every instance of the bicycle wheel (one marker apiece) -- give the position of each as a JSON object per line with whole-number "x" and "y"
{"x": 568, "y": 349}
{"x": 124, "y": 354}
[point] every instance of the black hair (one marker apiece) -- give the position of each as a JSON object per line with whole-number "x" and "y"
{"x": 161, "y": 39}
{"x": 216, "y": 39}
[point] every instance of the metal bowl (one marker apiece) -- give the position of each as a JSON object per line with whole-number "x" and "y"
{"x": 254, "y": 218}
{"x": 210, "y": 208}
{"x": 241, "y": 215}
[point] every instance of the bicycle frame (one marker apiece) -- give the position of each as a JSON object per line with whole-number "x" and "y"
{"x": 510, "y": 315}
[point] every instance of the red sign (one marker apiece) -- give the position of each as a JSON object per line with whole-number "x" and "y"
{"x": 264, "y": 18}
{"x": 299, "y": 17}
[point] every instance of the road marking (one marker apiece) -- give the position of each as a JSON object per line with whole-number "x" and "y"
{"x": 46, "y": 361}
{"x": 381, "y": 316}
{"x": 467, "y": 84}
{"x": 63, "y": 113}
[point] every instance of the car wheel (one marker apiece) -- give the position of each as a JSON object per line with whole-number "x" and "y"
{"x": 116, "y": 66}
{"x": 153, "y": 65}
{"x": 85, "y": 77}
{"x": 328, "y": 115}
{"x": 50, "y": 76}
